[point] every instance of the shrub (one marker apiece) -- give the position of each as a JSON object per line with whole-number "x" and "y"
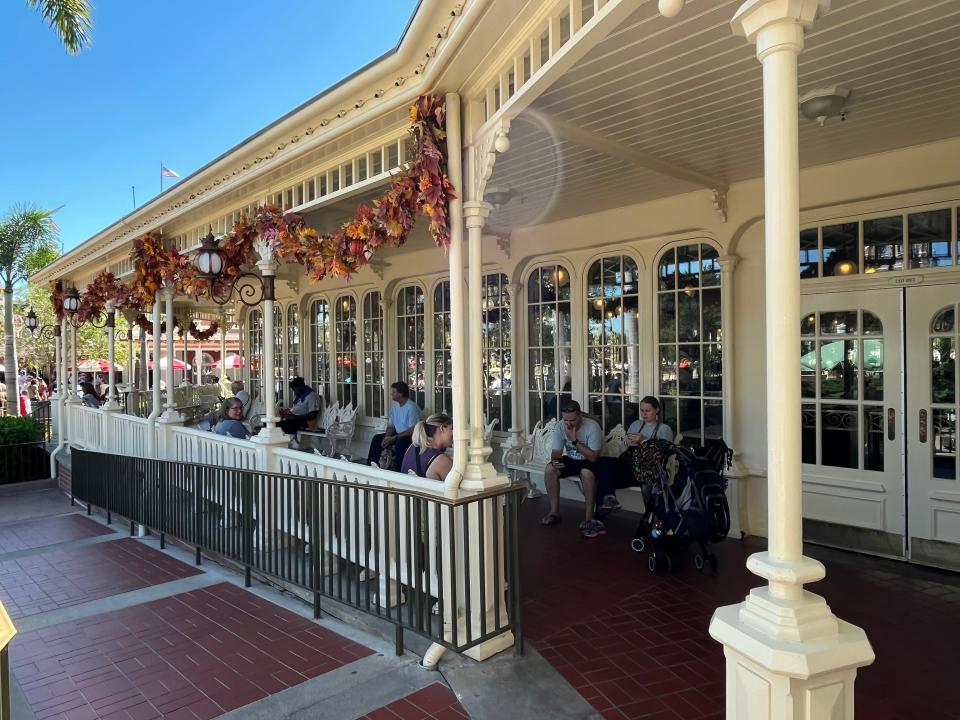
{"x": 18, "y": 430}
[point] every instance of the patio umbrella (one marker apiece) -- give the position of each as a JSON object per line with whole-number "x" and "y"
{"x": 177, "y": 364}
{"x": 100, "y": 365}
{"x": 230, "y": 362}
{"x": 832, "y": 354}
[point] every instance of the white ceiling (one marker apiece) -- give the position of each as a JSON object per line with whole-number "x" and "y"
{"x": 687, "y": 91}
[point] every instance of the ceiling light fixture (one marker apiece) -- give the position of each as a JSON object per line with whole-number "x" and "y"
{"x": 824, "y": 103}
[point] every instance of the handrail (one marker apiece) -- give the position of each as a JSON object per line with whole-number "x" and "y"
{"x": 7, "y": 631}
{"x": 444, "y": 567}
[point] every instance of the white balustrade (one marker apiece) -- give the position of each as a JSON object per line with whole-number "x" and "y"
{"x": 206, "y": 448}
{"x": 130, "y": 435}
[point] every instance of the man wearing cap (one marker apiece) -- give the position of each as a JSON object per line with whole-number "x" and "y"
{"x": 305, "y": 407}
{"x": 576, "y": 447}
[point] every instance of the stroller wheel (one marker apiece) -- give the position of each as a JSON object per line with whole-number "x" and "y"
{"x": 698, "y": 561}
{"x": 637, "y": 544}
{"x": 652, "y": 563}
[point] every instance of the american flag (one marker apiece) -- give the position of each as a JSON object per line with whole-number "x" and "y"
{"x": 167, "y": 172}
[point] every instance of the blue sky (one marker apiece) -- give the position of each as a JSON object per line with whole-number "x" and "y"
{"x": 179, "y": 81}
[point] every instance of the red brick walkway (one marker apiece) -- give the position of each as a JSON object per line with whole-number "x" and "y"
{"x": 434, "y": 702}
{"x": 636, "y": 645}
{"x": 62, "y": 578}
{"x": 187, "y": 657}
{"x": 48, "y": 531}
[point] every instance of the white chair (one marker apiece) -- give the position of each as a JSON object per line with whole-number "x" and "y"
{"x": 341, "y": 430}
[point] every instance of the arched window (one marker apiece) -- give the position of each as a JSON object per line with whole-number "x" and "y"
{"x": 279, "y": 361}
{"x": 410, "y": 341}
{"x": 613, "y": 341}
{"x": 320, "y": 347}
{"x": 690, "y": 358}
{"x": 373, "y": 344}
{"x": 255, "y": 341}
{"x": 345, "y": 332}
{"x": 548, "y": 341}
{"x": 943, "y": 393}
{"x": 293, "y": 342}
{"x": 442, "y": 369}
{"x": 497, "y": 353}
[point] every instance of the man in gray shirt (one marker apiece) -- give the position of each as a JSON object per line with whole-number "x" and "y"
{"x": 576, "y": 447}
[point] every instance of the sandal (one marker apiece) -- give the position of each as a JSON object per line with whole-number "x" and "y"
{"x": 550, "y": 519}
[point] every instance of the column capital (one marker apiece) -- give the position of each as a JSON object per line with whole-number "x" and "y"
{"x": 476, "y": 212}
{"x": 514, "y": 290}
{"x": 776, "y": 24}
{"x": 728, "y": 263}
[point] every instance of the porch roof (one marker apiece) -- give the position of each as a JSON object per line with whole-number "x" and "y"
{"x": 662, "y": 107}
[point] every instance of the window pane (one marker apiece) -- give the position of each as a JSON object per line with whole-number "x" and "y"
{"x": 668, "y": 370}
{"x": 689, "y": 422}
{"x": 666, "y": 273}
{"x": 808, "y": 369}
{"x": 840, "y": 249}
{"x": 942, "y": 380}
{"x": 838, "y": 436}
{"x": 808, "y": 326}
{"x": 711, "y": 315}
{"x": 873, "y": 370}
{"x": 944, "y": 445}
{"x": 929, "y": 234}
{"x": 873, "y": 434}
{"x": 713, "y": 370}
{"x": 943, "y": 321}
{"x": 838, "y": 369}
{"x": 871, "y": 324}
{"x": 838, "y": 323}
{"x": 809, "y": 253}
{"x": 667, "y": 317}
{"x": 688, "y": 267}
{"x": 883, "y": 244}
{"x": 808, "y": 434}
{"x": 709, "y": 266}
{"x": 688, "y": 369}
{"x": 713, "y": 419}
{"x": 688, "y": 315}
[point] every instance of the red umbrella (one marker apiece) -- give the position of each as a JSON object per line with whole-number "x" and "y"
{"x": 177, "y": 364}
{"x": 96, "y": 366}
{"x": 230, "y": 362}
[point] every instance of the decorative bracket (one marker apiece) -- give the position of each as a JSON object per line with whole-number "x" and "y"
{"x": 293, "y": 285}
{"x": 720, "y": 203}
{"x": 485, "y": 155}
{"x": 378, "y": 266}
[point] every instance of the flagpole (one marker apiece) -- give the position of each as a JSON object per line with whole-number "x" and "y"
{"x": 161, "y": 177}
{"x": 133, "y": 189}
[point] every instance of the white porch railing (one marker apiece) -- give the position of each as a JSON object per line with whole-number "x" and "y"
{"x": 129, "y": 435}
{"x": 207, "y": 448}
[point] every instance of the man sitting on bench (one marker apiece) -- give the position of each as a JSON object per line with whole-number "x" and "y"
{"x": 306, "y": 407}
{"x": 404, "y": 415}
{"x": 576, "y": 448}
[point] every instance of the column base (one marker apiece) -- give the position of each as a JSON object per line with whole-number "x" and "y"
{"x": 491, "y": 647}
{"x": 171, "y": 416}
{"x": 271, "y": 436}
{"x": 774, "y": 678}
{"x": 111, "y": 406}
{"x": 482, "y": 476}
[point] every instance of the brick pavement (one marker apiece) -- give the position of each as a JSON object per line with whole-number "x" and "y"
{"x": 48, "y": 531}
{"x": 190, "y": 656}
{"x": 65, "y": 577}
{"x": 434, "y": 702}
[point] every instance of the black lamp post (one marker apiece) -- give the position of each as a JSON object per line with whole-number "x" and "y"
{"x": 251, "y": 288}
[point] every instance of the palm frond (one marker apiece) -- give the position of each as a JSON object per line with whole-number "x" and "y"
{"x": 70, "y": 18}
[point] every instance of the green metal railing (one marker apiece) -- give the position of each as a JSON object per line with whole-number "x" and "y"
{"x": 446, "y": 569}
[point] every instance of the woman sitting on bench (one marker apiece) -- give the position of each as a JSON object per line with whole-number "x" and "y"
{"x": 628, "y": 469}
{"x": 427, "y": 456}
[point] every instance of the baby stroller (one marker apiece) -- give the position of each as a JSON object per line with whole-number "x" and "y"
{"x": 686, "y": 504}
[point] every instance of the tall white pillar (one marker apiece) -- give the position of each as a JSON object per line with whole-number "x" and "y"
{"x": 111, "y": 326}
{"x": 480, "y": 473}
{"x": 56, "y": 388}
{"x": 787, "y": 655}
{"x": 515, "y": 293}
{"x": 223, "y": 349}
{"x": 71, "y": 393}
{"x": 728, "y": 264}
{"x": 270, "y": 434}
{"x": 170, "y": 413}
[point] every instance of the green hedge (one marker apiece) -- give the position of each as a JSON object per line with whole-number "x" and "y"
{"x": 18, "y": 430}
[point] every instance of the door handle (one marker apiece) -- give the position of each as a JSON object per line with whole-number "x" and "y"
{"x": 923, "y": 426}
{"x": 891, "y": 424}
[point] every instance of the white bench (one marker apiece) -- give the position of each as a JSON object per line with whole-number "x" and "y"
{"x": 530, "y": 459}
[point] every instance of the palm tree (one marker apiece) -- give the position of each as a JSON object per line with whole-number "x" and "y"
{"x": 28, "y": 241}
{"x": 70, "y": 18}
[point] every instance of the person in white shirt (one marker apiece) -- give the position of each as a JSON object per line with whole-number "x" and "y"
{"x": 404, "y": 415}
{"x": 305, "y": 407}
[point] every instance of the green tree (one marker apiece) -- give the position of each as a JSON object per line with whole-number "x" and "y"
{"x": 71, "y": 19}
{"x": 28, "y": 241}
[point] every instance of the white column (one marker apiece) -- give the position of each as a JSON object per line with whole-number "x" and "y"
{"x": 223, "y": 349}
{"x": 71, "y": 393}
{"x": 270, "y": 434}
{"x": 111, "y": 326}
{"x": 56, "y": 388}
{"x": 787, "y": 655}
{"x": 515, "y": 292}
{"x": 170, "y": 414}
{"x": 480, "y": 472}
{"x": 728, "y": 264}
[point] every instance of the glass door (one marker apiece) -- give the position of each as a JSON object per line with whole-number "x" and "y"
{"x": 852, "y": 400}
{"x": 933, "y": 334}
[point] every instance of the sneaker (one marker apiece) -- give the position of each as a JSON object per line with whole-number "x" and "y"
{"x": 594, "y": 528}
{"x": 610, "y": 504}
